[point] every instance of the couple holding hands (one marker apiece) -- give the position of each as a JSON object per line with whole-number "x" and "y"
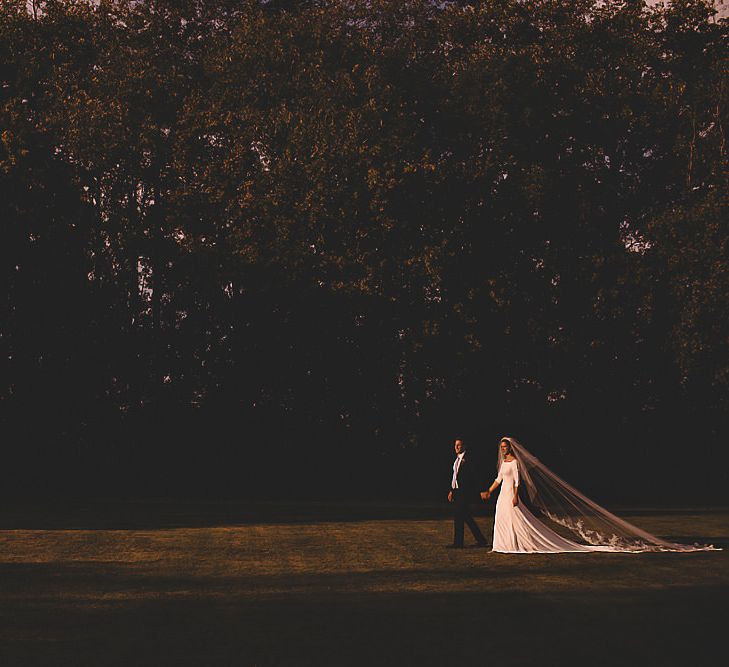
{"x": 559, "y": 505}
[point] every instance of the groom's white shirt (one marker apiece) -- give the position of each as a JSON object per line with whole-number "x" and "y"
{"x": 456, "y": 466}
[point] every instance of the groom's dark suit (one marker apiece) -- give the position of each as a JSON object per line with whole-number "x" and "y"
{"x": 468, "y": 491}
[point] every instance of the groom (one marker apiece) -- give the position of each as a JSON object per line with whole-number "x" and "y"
{"x": 464, "y": 489}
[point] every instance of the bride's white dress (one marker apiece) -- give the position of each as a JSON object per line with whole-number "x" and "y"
{"x": 517, "y": 530}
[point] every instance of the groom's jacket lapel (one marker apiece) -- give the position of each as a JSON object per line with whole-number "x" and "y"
{"x": 466, "y": 476}
{"x": 459, "y": 477}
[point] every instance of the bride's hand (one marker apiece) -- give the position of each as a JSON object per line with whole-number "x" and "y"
{"x": 485, "y": 495}
{"x": 515, "y": 501}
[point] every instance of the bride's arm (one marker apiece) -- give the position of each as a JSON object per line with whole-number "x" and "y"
{"x": 515, "y": 499}
{"x": 496, "y": 483}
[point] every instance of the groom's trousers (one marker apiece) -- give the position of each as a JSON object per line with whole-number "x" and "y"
{"x": 462, "y": 515}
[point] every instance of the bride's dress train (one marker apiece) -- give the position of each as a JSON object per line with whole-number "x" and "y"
{"x": 591, "y": 527}
{"x": 516, "y": 529}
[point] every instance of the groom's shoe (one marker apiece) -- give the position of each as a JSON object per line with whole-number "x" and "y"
{"x": 454, "y": 546}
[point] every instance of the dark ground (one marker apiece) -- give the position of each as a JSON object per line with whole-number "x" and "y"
{"x": 272, "y": 584}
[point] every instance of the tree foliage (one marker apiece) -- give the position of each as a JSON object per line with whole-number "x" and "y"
{"x": 344, "y": 230}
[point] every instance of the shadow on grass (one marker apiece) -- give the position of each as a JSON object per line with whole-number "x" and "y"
{"x": 109, "y": 581}
{"x": 637, "y": 627}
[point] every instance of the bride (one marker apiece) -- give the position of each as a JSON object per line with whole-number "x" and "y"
{"x": 589, "y": 527}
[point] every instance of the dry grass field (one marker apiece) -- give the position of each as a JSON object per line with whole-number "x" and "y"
{"x": 259, "y": 585}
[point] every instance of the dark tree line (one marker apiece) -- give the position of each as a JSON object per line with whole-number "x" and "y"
{"x": 292, "y": 249}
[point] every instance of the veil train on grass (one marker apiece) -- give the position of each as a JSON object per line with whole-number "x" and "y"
{"x": 557, "y": 501}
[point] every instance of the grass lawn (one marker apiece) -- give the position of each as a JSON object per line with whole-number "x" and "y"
{"x": 241, "y": 584}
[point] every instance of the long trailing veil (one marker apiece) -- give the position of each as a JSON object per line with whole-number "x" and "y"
{"x": 590, "y": 523}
